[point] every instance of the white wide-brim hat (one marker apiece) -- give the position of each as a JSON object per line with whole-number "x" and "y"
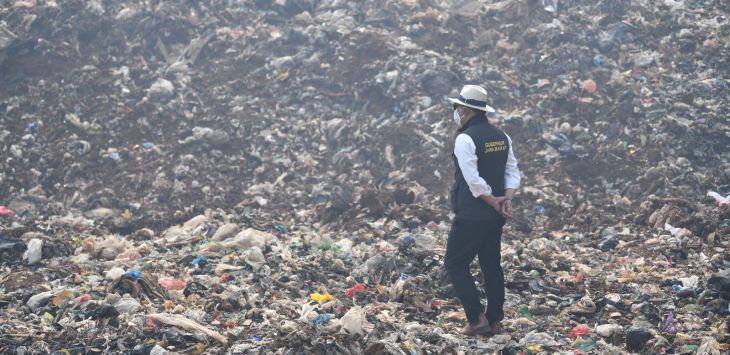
{"x": 473, "y": 96}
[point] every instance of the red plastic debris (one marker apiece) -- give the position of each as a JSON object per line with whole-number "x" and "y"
{"x": 579, "y": 330}
{"x": 4, "y": 211}
{"x": 589, "y": 86}
{"x": 580, "y": 277}
{"x": 85, "y": 297}
{"x": 359, "y": 287}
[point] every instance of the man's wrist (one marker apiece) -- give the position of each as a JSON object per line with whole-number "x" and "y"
{"x": 488, "y": 198}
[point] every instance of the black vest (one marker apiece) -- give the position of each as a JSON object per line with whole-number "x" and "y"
{"x": 492, "y": 148}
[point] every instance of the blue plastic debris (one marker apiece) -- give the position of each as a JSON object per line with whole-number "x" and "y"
{"x": 135, "y": 273}
{"x": 31, "y": 128}
{"x": 322, "y": 319}
{"x": 200, "y": 260}
{"x": 599, "y": 60}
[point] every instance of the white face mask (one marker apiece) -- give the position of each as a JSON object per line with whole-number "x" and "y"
{"x": 457, "y": 118}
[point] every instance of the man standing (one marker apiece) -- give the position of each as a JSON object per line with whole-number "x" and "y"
{"x": 481, "y": 199}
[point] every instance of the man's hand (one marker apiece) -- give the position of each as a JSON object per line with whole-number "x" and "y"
{"x": 502, "y": 204}
{"x": 496, "y": 203}
{"x": 506, "y": 210}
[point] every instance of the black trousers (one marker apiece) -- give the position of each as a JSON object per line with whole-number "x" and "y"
{"x": 468, "y": 239}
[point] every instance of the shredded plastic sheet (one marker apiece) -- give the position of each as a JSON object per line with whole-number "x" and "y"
{"x": 180, "y": 321}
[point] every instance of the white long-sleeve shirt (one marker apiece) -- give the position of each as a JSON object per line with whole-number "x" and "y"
{"x": 466, "y": 156}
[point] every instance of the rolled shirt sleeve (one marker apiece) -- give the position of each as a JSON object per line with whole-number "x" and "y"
{"x": 511, "y": 171}
{"x": 466, "y": 156}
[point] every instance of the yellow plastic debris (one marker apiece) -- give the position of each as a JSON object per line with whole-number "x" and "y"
{"x": 322, "y": 298}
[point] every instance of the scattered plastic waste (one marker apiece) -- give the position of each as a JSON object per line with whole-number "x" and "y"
{"x": 719, "y": 199}
{"x": 609, "y": 330}
{"x": 199, "y": 260}
{"x": 586, "y": 346}
{"x": 589, "y": 86}
{"x": 580, "y": 330}
{"x": 34, "y": 253}
{"x": 322, "y": 319}
{"x": 172, "y": 283}
{"x": 550, "y": 5}
{"x": 354, "y": 321}
{"x": 710, "y": 346}
{"x": 637, "y": 337}
{"x": 4, "y": 211}
{"x": 127, "y": 306}
{"x": 85, "y": 298}
{"x": 720, "y": 283}
{"x": 273, "y": 176}
{"x": 537, "y": 338}
{"x": 321, "y": 298}
{"x": 669, "y": 324}
{"x": 162, "y": 88}
{"x": 524, "y": 310}
{"x": 180, "y": 321}
{"x": 599, "y": 60}
{"x": 352, "y": 291}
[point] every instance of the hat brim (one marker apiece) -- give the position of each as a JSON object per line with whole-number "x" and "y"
{"x": 486, "y": 108}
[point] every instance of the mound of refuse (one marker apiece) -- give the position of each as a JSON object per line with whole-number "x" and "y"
{"x": 272, "y": 176}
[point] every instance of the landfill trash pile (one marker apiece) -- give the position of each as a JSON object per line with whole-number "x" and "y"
{"x": 272, "y": 176}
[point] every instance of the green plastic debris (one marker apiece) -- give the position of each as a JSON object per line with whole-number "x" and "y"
{"x": 586, "y": 345}
{"x": 524, "y": 310}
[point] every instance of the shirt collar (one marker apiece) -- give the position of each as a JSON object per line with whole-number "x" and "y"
{"x": 479, "y": 118}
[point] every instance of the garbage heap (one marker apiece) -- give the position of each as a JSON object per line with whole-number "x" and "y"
{"x": 272, "y": 176}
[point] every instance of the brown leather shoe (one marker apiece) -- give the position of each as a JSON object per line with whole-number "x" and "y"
{"x": 481, "y": 326}
{"x": 497, "y": 327}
